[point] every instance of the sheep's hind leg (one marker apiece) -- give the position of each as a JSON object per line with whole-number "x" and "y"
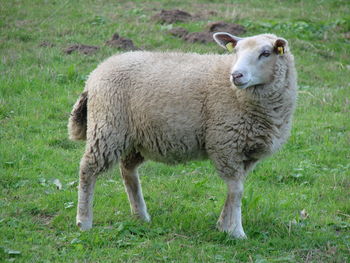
{"x": 87, "y": 180}
{"x": 230, "y": 220}
{"x": 98, "y": 157}
{"x": 128, "y": 170}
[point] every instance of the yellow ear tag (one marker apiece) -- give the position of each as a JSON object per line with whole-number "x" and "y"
{"x": 229, "y": 46}
{"x": 280, "y": 50}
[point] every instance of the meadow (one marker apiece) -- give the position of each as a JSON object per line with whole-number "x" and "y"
{"x": 296, "y": 205}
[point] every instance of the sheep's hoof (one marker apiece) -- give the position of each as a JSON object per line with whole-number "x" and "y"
{"x": 237, "y": 233}
{"x": 146, "y": 218}
{"x": 143, "y": 217}
{"x": 84, "y": 224}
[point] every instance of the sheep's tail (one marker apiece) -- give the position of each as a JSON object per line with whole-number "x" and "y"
{"x": 78, "y": 119}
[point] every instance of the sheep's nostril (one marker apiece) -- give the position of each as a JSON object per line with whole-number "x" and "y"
{"x": 237, "y": 75}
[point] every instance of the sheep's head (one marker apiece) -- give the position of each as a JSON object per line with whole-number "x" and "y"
{"x": 255, "y": 57}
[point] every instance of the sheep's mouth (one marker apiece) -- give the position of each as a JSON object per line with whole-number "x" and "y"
{"x": 247, "y": 86}
{"x": 240, "y": 85}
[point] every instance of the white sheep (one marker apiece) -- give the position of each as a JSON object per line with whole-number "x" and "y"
{"x": 234, "y": 109}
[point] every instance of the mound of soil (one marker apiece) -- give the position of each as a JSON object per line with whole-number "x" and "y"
{"x": 85, "y": 49}
{"x": 178, "y": 32}
{"x": 172, "y": 16}
{"x": 121, "y": 42}
{"x": 234, "y": 29}
{"x": 207, "y": 36}
{"x": 201, "y": 37}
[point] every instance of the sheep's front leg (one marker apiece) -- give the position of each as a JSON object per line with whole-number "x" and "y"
{"x": 128, "y": 170}
{"x": 134, "y": 191}
{"x": 230, "y": 220}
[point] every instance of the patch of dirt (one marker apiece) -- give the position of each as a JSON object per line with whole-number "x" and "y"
{"x": 178, "y": 32}
{"x": 45, "y": 219}
{"x": 320, "y": 255}
{"x": 121, "y": 42}
{"x": 42, "y": 217}
{"x": 234, "y": 29}
{"x": 46, "y": 44}
{"x": 347, "y": 35}
{"x": 207, "y": 13}
{"x": 207, "y": 36}
{"x": 22, "y": 23}
{"x": 84, "y": 49}
{"x": 172, "y": 16}
{"x": 201, "y": 37}
{"x": 204, "y": 15}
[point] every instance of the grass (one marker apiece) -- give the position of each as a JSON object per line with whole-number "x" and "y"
{"x": 39, "y": 85}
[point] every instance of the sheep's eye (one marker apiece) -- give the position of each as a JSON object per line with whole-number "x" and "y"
{"x": 265, "y": 53}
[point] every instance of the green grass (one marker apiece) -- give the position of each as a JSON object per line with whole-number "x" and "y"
{"x": 39, "y": 85}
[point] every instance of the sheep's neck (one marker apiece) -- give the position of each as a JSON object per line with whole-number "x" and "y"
{"x": 251, "y": 96}
{"x": 277, "y": 107}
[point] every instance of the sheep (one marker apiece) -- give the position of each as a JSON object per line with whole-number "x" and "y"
{"x": 234, "y": 109}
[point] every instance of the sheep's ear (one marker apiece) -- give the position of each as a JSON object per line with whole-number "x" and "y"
{"x": 226, "y": 40}
{"x": 280, "y": 46}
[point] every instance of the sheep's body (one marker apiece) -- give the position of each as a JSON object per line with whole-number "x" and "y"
{"x": 175, "y": 107}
